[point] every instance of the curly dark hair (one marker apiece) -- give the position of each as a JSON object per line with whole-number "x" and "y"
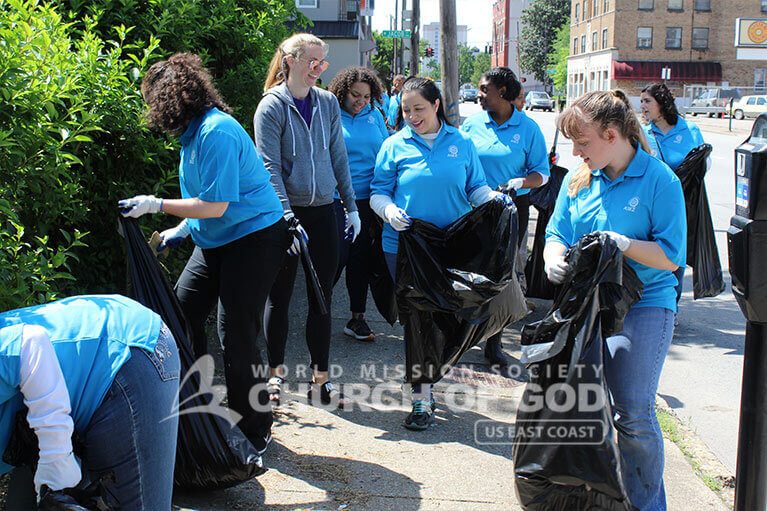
{"x": 504, "y": 77}
{"x": 665, "y": 99}
{"x": 348, "y": 76}
{"x": 177, "y": 90}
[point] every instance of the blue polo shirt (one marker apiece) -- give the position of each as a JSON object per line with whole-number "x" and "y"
{"x": 514, "y": 149}
{"x": 393, "y": 112}
{"x": 91, "y": 335}
{"x": 644, "y": 203}
{"x": 220, "y": 163}
{"x": 431, "y": 184}
{"x": 363, "y": 134}
{"x": 674, "y": 145}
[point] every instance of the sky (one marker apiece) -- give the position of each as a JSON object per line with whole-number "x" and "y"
{"x": 476, "y": 14}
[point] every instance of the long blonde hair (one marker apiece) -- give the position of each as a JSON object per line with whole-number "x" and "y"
{"x": 606, "y": 109}
{"x": 294, "y": 45}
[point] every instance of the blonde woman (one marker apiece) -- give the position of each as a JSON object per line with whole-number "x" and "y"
{"x": 298, "y": 131}
{"x": 637, "y": 201}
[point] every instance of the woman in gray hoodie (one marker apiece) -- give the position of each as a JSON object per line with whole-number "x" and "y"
{"x": 298, "y": 131}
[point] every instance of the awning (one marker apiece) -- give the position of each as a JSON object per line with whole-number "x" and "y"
{"x": 680, "y": 71}
{"x": 334, "y": 29}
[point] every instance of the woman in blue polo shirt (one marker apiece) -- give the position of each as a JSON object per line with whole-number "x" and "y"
{"x": 364, "y": 131}
{"x": 637, "y": 201}
{"x": 430, "y": 171}
{"x": 671, "y": 138}
{"x": 234, "y": 217}
{"x": 512, "y": 150}
{"x": 106, "y": 368}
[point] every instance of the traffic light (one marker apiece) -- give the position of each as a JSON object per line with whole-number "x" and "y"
{"x": 429, "y": 52}
{"x": 523, "y": 80}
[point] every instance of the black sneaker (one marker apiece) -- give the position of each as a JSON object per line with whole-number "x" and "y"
{"x": 359, "y": 329}
{"x": 421, "y": 415}
{"x": 328, "y": 395}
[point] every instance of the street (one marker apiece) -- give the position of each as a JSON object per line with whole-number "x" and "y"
{"x": 702, "y": 376}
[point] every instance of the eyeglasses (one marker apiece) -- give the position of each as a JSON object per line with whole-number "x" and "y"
{"x": 320, "y": 65}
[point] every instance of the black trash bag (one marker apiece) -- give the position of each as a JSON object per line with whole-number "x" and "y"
{"x": 574, "y": 469}
{"x": 51, "y": 500}
{"x": 456, "y": 287}
{"x": 543, "y": 198}
{"x": 211, "y": 453}
{"x": 381, "y": 283}
{"x": 702, "y": 253}
{"x": 316, "y": 295}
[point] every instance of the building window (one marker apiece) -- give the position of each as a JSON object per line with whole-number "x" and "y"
{"x": 583, "y": 8}
{"x": 760, "y": 77}
{"x": 307, "y": 4}
{"x": 577, "y": 8}
{"x": 700, "y": 39}
{"x": 644, "y": 37}
{"x": 675, "y": 5}
{"x": 596, "y": 8}
{"x": 764, "y": 5}
{"x": 583, "y": 43}
{"x": 604, "y": 38}
{"x": 607, "y": 6}
{"x": 646, "y": 5}
{"x": 673, "y": 38}
{"x": 702, "y": 5}
{"x": 575, "y": 46}
{"x": 594, "y": 41}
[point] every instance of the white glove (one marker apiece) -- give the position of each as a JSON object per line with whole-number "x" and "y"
{"x": 622, "y": 241}
{"x": 397, "y": 218}
{"x": 515, "y": 183}
{"x": 140, "y": 205}
{"x": 354, "y": 224}
{"x": 295, "y": 248}
{"x": 45, "y": 395}
{"x": 556, "y": 268}
{"x": 502, "y": 197}
{"x": 174, "y": 236}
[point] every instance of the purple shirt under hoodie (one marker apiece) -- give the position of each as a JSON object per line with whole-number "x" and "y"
{"x": 305, "y": 108}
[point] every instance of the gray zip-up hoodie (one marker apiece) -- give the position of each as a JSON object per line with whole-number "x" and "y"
{"x": 307, "y": 165}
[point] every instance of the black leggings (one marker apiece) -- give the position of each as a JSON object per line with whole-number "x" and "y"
{"x": 236, "y": 276}
{"x": 355, "y": 256}
{"x": 523, "y": 215}
{"x": 320, "y": 224}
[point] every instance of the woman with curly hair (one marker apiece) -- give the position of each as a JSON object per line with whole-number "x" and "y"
{"x": 364, "y": 131}
{"x": 235, "y": 219}
{"x": 298, "y": 130}
{"x": 671, "y": 138}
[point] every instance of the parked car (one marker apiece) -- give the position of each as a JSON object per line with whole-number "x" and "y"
{"x": 749, "y": 106}
{"x": 537, "y": 99}
{"x": 712, "y": 102}
{"x": 468, "y": 94}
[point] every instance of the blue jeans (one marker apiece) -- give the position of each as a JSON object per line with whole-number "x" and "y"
{"x": 133, "y": 433}
{"x": 633, "y": 362}
{"x": 679, "y": 274}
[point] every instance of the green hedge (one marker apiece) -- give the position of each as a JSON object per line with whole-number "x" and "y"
{"x": 73, "y": 139}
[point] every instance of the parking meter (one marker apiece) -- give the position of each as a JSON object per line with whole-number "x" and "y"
{"x": 747, "y": 249}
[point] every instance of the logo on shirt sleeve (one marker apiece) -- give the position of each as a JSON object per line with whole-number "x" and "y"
{"x": 632, "y": 206}
{"x": 452, "y": 151}
{"x": 192, "y": 156}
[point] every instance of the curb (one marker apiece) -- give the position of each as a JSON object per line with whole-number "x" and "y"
{"x": 705, "y": 464}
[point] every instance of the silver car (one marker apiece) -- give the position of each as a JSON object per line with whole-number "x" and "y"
{"x": 541, "y": 100}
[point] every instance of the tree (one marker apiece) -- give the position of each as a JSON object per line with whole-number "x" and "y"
{"x": 433, "y": 69}
{"x": 558, "y": 59}
{"x": 465, "y": 64}
{"x": 540, "y": 22}
{"x": 481, "y": 65}
{"x": 382, "y": 60}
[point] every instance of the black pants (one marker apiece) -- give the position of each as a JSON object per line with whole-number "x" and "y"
{"x": 355, "y": 256}
{"x": 320, "y": 224}
{"x": 236, "y": 276}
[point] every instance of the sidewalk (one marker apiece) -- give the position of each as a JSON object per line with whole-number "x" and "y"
{"x": 740, "y": 128}
{"x": 366, "y": 460}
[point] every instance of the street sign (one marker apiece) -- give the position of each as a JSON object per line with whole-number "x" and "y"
{"x": 396, "y": 34}
{"x": 551, "y": 71}
{"x": 665, "y": 73}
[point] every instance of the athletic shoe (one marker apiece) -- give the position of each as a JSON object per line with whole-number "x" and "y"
{"x": 359, "y": 329}
{"x": 273, "y": 388}
{"x": 328, "y": 395}
{"x": 421, "y": 415}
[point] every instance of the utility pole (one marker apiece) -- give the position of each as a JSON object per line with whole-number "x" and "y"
{"x": 402, "y": 42}
{"x": 395, "y": 57}
{"x": 415, "y": 38}
{"x": 448, "y": 59}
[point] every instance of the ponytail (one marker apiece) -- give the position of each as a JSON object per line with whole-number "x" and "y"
{"x": 295, "y": 46}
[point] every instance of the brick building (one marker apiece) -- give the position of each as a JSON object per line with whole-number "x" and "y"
{"x": 626, "y": 44}
{"x": 507, "y": 25}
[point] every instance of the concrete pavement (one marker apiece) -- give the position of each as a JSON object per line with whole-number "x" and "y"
{"x": 365, "y": 459}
